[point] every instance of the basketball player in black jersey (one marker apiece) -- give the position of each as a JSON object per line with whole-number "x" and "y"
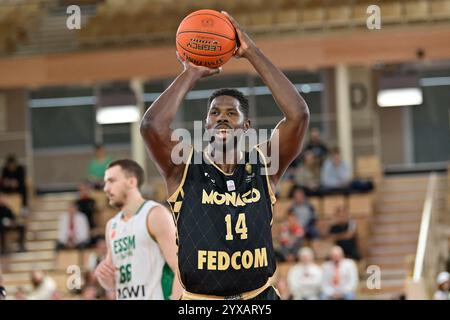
{"x": 222, "y": 199}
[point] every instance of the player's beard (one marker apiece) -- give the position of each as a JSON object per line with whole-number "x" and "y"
{"x": 118, "y": 202}
{"x": 224, "y": 145}
{"x": 226, "y": 152}
{"x": 118, "y": 205}
{"x": 220, "y": 149}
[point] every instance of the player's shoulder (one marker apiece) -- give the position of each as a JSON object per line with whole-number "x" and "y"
{"x": 155, "y": 208}
{"x": 113, "y": 220}
{"x": 157, "y": 218}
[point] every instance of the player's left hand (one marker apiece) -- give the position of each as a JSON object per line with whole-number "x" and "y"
{"x": 202, "y": 71}
{"x": 245, "y": 44}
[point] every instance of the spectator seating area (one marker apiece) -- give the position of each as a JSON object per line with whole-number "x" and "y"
{"x": 387, "y": 222}
{"x": 361, "y": 209}
{"x": 16, "y": 23}
{"x": 42, "y": 225}
{"x": 360, "y": 206}
{"x": 142, "y": 17}
{"x": 141, "y": 21}
{"x": 14, "y": 202}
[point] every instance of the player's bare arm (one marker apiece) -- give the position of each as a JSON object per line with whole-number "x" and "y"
{"x": 162, "y": 228}
{"x": 105, "y": 271}
{"x": 155, "y": 125}
{"x": 292, "y": 128}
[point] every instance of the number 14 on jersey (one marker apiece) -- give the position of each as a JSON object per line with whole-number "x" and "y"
{"x": 240, "y": 228}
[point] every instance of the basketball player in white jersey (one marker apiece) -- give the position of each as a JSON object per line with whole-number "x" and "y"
{"x": 141, "y": 240}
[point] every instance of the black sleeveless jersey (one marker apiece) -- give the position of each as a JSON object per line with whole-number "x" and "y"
{"x": 224, "y": 226}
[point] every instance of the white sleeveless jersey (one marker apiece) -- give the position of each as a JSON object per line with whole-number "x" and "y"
{"x": 137, "y": 257}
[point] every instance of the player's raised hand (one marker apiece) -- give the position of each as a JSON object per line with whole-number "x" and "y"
{"x": 200, "y": 70}
{"x": 245, "y": 43}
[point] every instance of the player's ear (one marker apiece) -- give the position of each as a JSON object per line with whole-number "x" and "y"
{"x": 133, "y": 181}
{"x": 247, "y": 124}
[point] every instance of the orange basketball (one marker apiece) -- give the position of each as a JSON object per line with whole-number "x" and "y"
{"x": 206, "y": 38}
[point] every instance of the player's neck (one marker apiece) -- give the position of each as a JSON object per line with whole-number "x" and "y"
{"x": 133, "y": 204}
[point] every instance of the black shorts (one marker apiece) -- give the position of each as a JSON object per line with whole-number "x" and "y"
{"x": 268, "y": 294}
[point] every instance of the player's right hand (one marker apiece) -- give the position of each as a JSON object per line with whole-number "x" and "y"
{"x": 200, "y": 70}
{"x": 105, "y": 271}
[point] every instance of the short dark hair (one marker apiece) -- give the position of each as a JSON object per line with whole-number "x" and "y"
{"x": 335, "y": 150}
{"x": 243, "y": 101}
{"x": 296, "y": 188}
{"x": 132, "y": 168}
{"x": 11, "y": 159}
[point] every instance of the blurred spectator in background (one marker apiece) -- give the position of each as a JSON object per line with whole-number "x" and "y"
{"x": 8, "y": 222}
{"x": 90, "y": 280}
{"x": 305, "y": 278}
{"x": 57, "y": 295}
{"x": 443, "y": 282}
{"x": 97, "y": 256}
{"x": 93, "y": 261}
{"x": 305, "y": 213}
{"x": 73, "y": 229}
{"x": 335, "y": 175}
{"x": 308, "y": 174}
{"x": 2, "y": 293}
{"x": 89, "y": 293}
{"x": 44, "y": 287}
{"x": 86, "y": 204}
{"x": 2, "y": 288}
{"x": 316, "y": 145}
{"x": 290, "y": 238}
{"x": 282, "y": 289}
{"x": 13, "y": 180}
{"x": 343, "y": 233}
{"x": 20, "y": 294}
{"x": 97, "y": 167}
{"x": 340, "y": 277}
